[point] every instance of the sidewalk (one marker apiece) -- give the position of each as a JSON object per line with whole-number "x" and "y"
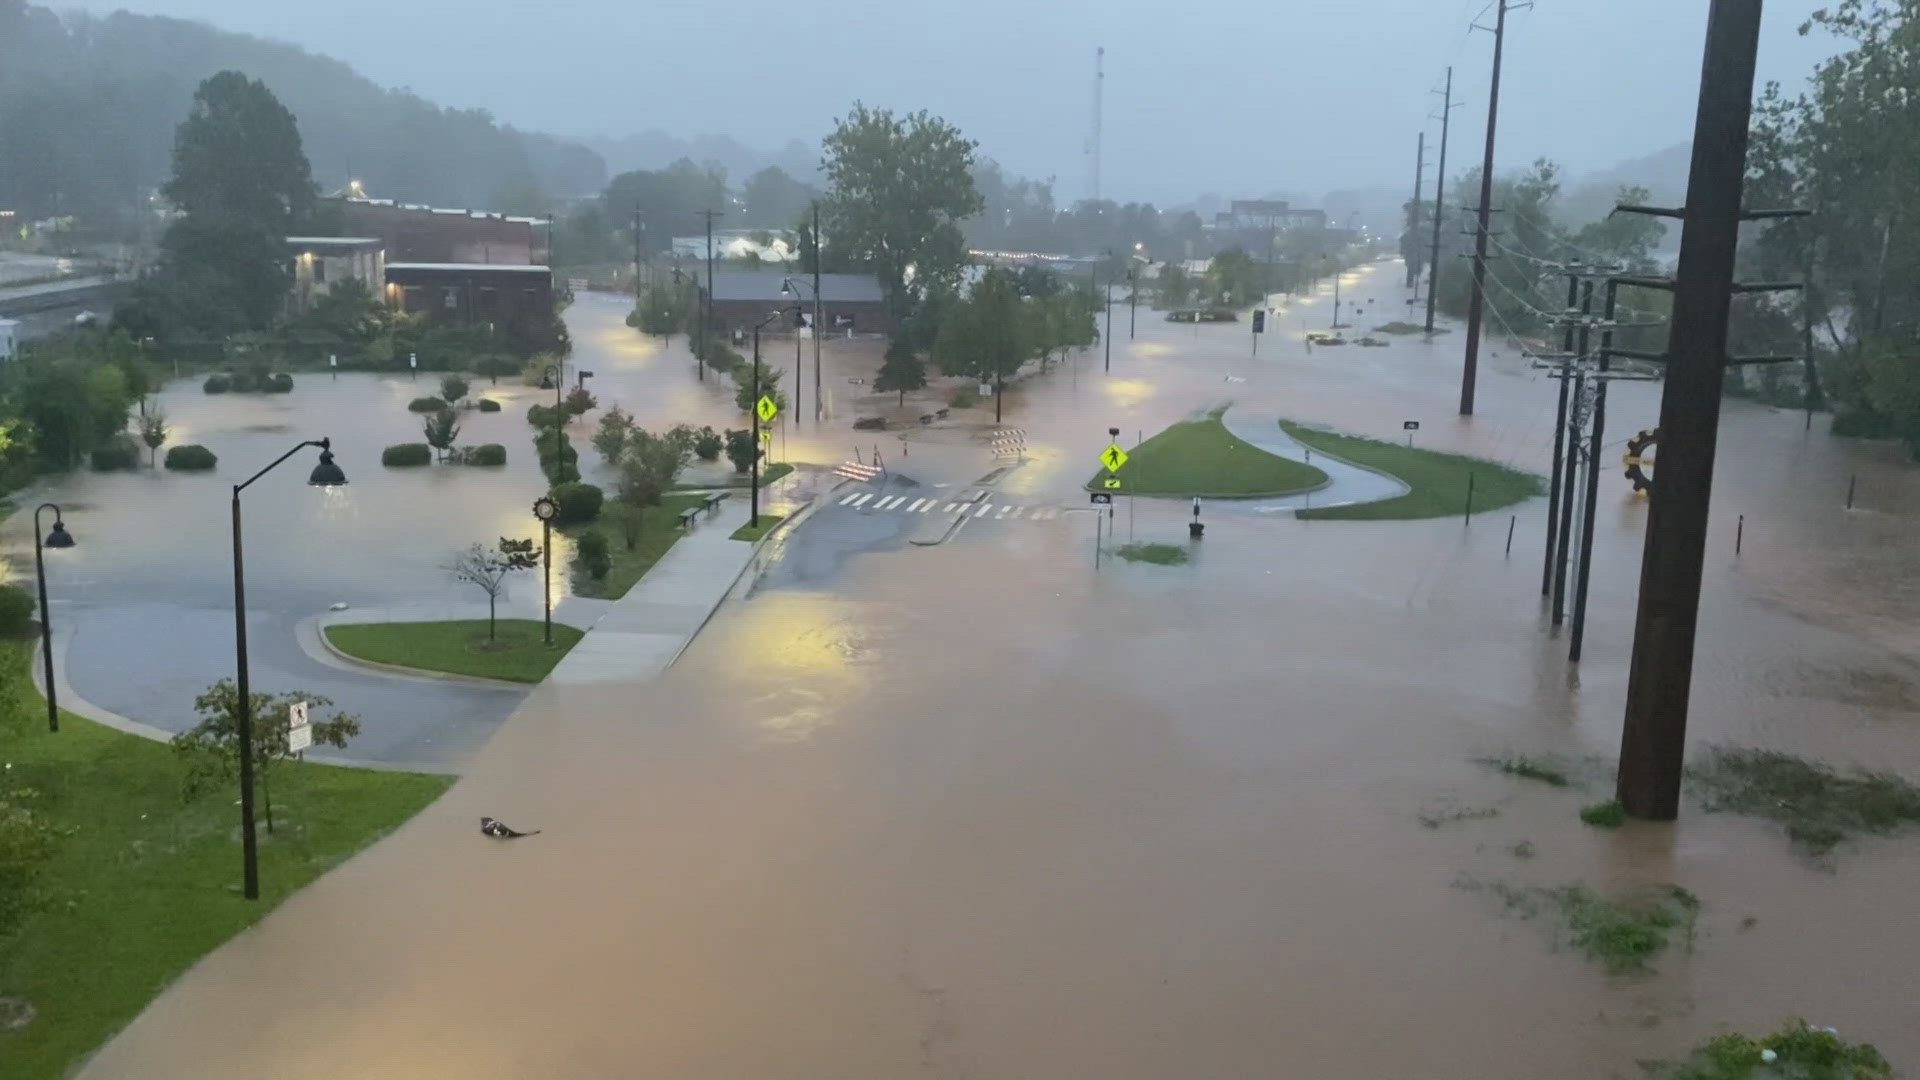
{"x": 638, "y": 635}
{"x": 1347, "y": 484}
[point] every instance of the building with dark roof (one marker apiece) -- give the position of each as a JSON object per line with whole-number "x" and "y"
{"x": 500, "y": 294}
{"x": 849, "y": 303}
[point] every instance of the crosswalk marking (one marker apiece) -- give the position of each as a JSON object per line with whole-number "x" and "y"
{"x": 915, "y": 508}
{"x": 931, "y": 503}
{"x": 984, "y": 507}
{"x": 951, "y": 507}
{"x": 1017, "y": 511}
{"x": 849, "y": 498}
{"x": 1002, "y": 513}
{"x": 861, "y": 500}
{"x": 980, "y": 505}
{"x": 893, "y": 502}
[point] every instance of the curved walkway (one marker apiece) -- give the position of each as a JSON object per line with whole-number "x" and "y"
{"x": 1347, "y": 484}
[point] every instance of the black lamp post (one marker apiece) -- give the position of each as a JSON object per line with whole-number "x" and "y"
{"x": 57, "y": 537}
{"x": 788, "y": 288}
{"x": 554, "y": 377}
{"x": 546, "y": 510}
{"x": 1133, "y": 297}
{"x": 325, "y": 474}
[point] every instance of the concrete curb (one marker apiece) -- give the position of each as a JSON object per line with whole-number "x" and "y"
{"x": 311, "y": 634}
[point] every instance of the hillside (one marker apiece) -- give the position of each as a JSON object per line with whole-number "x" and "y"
{"x": 1663, "y": 173}
{"x": 88, "y": 106}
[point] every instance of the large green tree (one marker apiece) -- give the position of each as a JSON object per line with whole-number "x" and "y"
{"x": 899, "y": 188}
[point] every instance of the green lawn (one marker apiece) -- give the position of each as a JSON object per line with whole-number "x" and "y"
{"x": 768, "y": 474}
{"x": 767, "y": 522}
{"x": 517, "y": 653}
{"x": 1158, "y": 554}
{"x": 660, "y": 528}
{"x": 1438, "y": 480}
{"x": 142, "y": 884}
{"x": 1201, "y": 457}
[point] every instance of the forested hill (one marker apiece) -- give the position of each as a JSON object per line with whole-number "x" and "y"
{"x": 88, "y": 106}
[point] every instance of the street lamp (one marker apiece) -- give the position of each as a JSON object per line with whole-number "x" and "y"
{"x": 1109, "y": 334}
{"x": 753, "y": 407}
{"x": 546, "y": 510}
{"x": 325, "y": 474}
{"x": 57, "y": 537}
{"x": 554, "y": 377}
{"x": 789, "y": 288}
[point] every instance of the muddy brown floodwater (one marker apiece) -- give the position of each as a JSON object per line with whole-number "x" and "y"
{"x": 979, "y": 811}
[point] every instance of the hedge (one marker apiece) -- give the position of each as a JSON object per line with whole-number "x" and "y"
{"x": 407, "y": 454}
{"x": 486, "y": 454}
{"x": 426, "y": 405}
{"x": 217, "y": 383}
{"x": 119, "y": 453}
{"x": 579, "y": 503}
{"x": 16, "y": 611}
{"x": 487, "y": 404}
{"x": 190, "y": 457}
{"x": 279, "y": 383}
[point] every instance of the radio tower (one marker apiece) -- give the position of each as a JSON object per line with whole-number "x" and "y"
{"x": 1093, "y": 140}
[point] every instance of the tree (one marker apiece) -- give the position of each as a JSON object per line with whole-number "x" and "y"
{"x": 627, "y": 519}
{"x": 452, "y": 389}
{"x": 616, "y": 427}
{"x": 211, "y": 748}
{"x": 662, "y": 310}
{"x": 153, "y": 431}
{"x": 899, "y": 187}
{"x": 900, "y": 370}
{"x": 745, "y": 396}
{"x": 773, "y": 198}
{"x": 1174, "y": 285}
{"x": 741, "y": 449}
{"x": 648, "y": 466}
{"x": 988, "y": 336}
{"x": 440, "y": 430}
{"x": 487, "y": 570}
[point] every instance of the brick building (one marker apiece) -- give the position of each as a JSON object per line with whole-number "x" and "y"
{"x": 425, "y": 234}
{"x": 505, "y": 295}
{"x": 849, "y": 303}
{"x": 321, "y": 262}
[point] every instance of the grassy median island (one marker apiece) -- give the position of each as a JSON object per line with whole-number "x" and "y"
{"x": 750, "y": 532}
{"x": 140, "y": 883}
{"x": 517, "y": 653}
{"x": 1201, "y": 457}
{"x": 1438, "y": 480}
{"x": 659, "y": 529}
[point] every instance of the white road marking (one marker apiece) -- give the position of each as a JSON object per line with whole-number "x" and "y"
{"x": 951, "y": 507}
{"x": 888, "y": 504}
{"x": 915, "y": 508}
{"x": 1002, "y": 513}
{"x": 1017, "y": 511}
{"x": 931, "y": 503}
{"x": 861, "y": 501}
{"x": 984, "y": 507}
{"x": 849, "y": 498}
{"x": 1044, "y": 513}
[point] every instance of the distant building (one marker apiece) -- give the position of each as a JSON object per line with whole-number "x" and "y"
{"x": 499, "y": 294}
{"x": 413, "y": 233}
{"x": 1263, "y": 215}
{"x": 321, "y": 262}
{"x": 849, "y": 303}
{"x": 768, "y": 245}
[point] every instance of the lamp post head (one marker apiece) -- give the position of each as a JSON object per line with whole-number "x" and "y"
{"x": 58, "y": 536}
{"x": 786, "y": 286}
{"x": 327, "y": 474}
{"x": 546, "y": 509}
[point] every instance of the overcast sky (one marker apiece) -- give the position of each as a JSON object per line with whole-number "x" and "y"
{"x": 1221, "y": 96}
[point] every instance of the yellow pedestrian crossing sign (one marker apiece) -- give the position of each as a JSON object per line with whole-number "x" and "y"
{"x": 1112, "y": 481}
{"x": 766, "y": 408}
{"x": 765, "y": 435}
{"x": 1113, "y": 457}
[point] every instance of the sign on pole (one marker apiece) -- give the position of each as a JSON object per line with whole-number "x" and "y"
{"x": 1112, "y": 483}
{"x": 1113, "y": 457}
{"x": 1410, "y": 425}
{"x": 299, "y": 733}
{"x": 1101, "y": 498}
{"x": 766, "y": 408}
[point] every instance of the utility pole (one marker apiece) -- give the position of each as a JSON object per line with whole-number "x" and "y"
{"x": 1476, "y": 310}
{"x": 1653, "y": 737}
{"x": 1559, "y": 448}
{"x": 1572, "y": 464}
{"x": 1413, "y": 212}
{"x": 1585, "y": 573}
{"x": 817, "y": 328}
{"x": 639, "y": 231}
{"x": 1439, "y": 203}
{"x": 1109, "y": 333}
{"x": 706, "y": 318}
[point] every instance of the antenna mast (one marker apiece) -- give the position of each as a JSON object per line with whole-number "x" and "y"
{"x": 1093, "y": 140}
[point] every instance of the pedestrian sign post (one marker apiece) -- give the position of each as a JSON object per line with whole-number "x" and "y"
{"x": 299, "y": 732}
{"x": 1113, "y": 457}
{"x": 1101, "y": 498}
{"x": 1112, "y": 483}
{"x": 766, "y": 408}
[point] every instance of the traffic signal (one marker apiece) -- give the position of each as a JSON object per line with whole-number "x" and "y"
{"x": 1260, "y": 321}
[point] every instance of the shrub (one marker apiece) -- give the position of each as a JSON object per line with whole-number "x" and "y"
{"x": 120, "y": 452}
{"x": 487, "y": 404}
{"x": 542, "y": 416}
{"x": 453, "y": 387}
{"x": 1604, "y": 815}
{"x": 721, "y": 357}
{"x": 426, "y": 405}
{"x": 1862, "y": 423}
{"x": 16, "y": 611}
{"x": 494, "y": 365}
{"x": 406, "y": 455}
{"x": 279, "y": 383}
{"x": 581, "y": 400}
{"x": 217, "y": 383}
{"x": 579, "y": 503}
{"x": 561, "y": 472}
{"x": 708, "y": 444}
{"x": 741, "y": 450}
{"x": 190, "y": 457}
{"x": 964, "y": 398}
{"x": 486, "y": 454}
{"x": 591, "y": 550}
{"x": 870, "y": 423}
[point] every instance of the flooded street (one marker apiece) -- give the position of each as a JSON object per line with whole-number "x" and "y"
{"x": 981, "y": 810}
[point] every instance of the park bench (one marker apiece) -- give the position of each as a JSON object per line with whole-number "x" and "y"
{"x": 687, "y": 518}
{"x": 713, "y": 502}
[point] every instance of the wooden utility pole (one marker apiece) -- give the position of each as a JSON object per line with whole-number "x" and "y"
{"x": 1653, "y": 739}
{"x": 1413, "y": 211}
{"x": 706, "y": 306}
{"x": 1439, "y": 203}
{"x": 1476, "y": 310}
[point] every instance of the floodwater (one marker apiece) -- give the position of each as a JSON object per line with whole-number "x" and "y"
{"x": 979, "y": 810}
